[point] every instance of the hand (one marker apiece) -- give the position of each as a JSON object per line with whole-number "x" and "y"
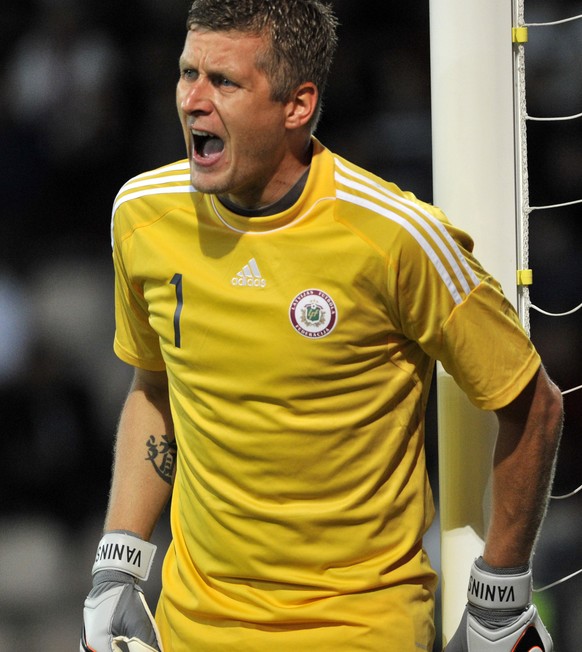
{"x": 499, "y": 616}
{"x": 116, "y": 616}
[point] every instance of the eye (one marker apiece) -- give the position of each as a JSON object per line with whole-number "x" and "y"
{"x": 220, "y": 81}
{"x": 189, "y": 74}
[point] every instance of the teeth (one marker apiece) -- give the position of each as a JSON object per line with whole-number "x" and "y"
{"x": 206, "y": 143}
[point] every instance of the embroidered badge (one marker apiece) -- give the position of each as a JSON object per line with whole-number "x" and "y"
{"x": 313, "y": 314}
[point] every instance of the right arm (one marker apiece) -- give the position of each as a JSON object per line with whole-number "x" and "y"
{"x": 115, "y": 611}
{"x": 140, "y": 489}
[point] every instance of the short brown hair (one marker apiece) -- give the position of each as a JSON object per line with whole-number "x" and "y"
{"x": 301, "y": 35}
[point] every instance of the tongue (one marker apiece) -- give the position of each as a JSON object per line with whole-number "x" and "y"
{"x": 212, "y": 146}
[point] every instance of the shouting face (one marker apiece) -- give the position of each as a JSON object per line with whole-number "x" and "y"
{"x": 237, "y": 136}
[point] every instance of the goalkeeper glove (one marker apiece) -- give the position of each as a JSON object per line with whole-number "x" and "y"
{"x": 499, "y": 616}
{"x": 116, "y": 616}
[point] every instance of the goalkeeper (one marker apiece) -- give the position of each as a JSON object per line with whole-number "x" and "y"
{"x": 283, "y": 310}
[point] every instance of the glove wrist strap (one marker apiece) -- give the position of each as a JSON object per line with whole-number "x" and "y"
{"x": 498, "y": 591}
{"x": 124, "y": 552}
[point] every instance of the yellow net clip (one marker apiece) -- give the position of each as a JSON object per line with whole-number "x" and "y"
{"x": 519, "y": 34}
{"x": 524, "y": 276}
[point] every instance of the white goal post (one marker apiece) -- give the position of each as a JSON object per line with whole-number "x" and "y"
{"x": 475, "y": 183}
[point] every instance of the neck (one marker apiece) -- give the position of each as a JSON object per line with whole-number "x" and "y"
{"x": 278, "y": 206}
{"x": 282, "y": 182}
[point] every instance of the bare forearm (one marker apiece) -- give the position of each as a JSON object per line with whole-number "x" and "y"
{"x": 145, "y": 457}
{"x": 529, "y": 434}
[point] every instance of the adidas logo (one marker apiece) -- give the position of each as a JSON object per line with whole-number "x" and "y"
{"x": 249, "y": 276}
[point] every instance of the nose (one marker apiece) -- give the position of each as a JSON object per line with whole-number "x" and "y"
{"x": 195, "y": 96}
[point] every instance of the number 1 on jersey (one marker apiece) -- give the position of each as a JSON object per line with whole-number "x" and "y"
{"x": 177, "y": 282}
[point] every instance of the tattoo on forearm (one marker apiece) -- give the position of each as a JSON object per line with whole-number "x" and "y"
{"x": 162, "y": 454}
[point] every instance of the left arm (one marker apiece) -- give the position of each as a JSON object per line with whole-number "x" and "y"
{"x": 523, "y": 469}
{"x": 500, "y": 615}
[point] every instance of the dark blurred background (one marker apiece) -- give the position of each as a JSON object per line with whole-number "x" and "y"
{"x": 87, "y": 101}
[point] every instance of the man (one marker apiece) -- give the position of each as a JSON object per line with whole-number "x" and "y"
{"x": 283, "y": 309}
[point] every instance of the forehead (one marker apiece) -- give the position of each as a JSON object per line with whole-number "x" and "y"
{"x": 219, "y": 49}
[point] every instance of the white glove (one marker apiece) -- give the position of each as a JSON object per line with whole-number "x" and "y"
{"x": 116, "y": 616}
{"x": 499, "y": 616}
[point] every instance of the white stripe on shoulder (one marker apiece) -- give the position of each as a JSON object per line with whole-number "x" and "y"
{"x": 160, "y": 181}
{"x": 366, "y": 203}
{"x": 142, "y": 183}
{"x": 152, "y": 191}
{"x": 165, "y": 174}
{"x": 155, "y": 179}
{"x": 444, "y": 242}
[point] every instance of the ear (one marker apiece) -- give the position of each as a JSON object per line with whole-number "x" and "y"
{"x": 302, "y": 105}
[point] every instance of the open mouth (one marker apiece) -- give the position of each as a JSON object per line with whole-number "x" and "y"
{"x": 206, "y": 145}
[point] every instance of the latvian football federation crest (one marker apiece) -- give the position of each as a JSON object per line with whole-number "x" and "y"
{"x": 313, "y": 314}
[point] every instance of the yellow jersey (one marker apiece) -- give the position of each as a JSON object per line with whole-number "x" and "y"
{"x": 299, "y": 349}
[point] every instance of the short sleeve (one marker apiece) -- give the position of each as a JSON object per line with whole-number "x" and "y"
{"x": 458, "y": 314}
{"x": 486, "y": 349}
{"x": 135, "y": 341}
